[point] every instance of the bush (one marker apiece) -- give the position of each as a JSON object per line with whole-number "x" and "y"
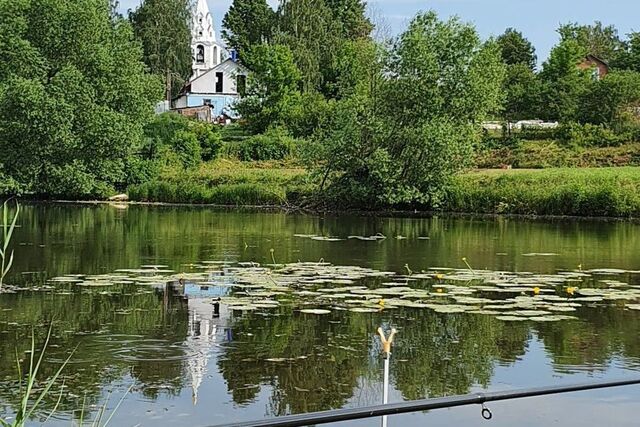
{"x": 589, "y": 135}
{"x": 275, "y": 144}
{"x": 191, "y": 140}
{"x": 187, "y": 147}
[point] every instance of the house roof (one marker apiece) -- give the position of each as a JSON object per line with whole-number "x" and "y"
{"x": 597, "y": 59}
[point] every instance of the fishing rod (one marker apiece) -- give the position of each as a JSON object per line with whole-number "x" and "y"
{"x": 338, "y": 415}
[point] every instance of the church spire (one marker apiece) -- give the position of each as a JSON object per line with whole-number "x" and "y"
{"x": 206, "y": 51}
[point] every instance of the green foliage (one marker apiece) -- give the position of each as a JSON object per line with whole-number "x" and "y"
{"x": 189, "y": 192}
{"x": 613, "y": 101}
{"x": 164, "y": 29}
{"x": 597, "y": 39}
{"x": 73, "y": 112}
{"x": 563, "y": 82}
{"x": 275, "y": 144}
{"x": 176, "y": 141}
{"x": 271, "y": 87}
{"x": 30, "y": 390}
{"x": 8, "y": 227}
{"x": 629, "y": 58}
{"x": 352, "y": 16}
{"x": 309, "y": 30}
{"x": 397, "y": 141}
{"x": 522, "y": 93}
{"x": 248, "y": 23}
{"x": 590, "y": 135}
{"x": 516, "y": 49}
{"x": 553, "y": 154}
{"x": 607, "y": 192}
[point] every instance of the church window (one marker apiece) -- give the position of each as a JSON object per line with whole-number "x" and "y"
{"x": 219, "y": 82}
{"x": 200, "y": 54}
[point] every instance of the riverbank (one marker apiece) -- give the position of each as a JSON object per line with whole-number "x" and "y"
{"x": 580, "y": 192}
{"x": 592, "y": 192}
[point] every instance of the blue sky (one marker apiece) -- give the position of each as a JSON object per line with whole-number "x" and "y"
{"x": 537, "y": 19}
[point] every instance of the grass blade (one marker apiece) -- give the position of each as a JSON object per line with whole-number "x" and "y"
{"x": 113, "y": 412}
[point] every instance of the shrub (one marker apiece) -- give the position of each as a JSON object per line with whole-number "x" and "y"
{"x": 589, "y": 135}
{"x": 187, "y": 147}
{"x": 181, "y": 135}
{"x": 275, "y": 144}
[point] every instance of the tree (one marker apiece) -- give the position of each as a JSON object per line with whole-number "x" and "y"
{"x": 163, "y": 27}
{"x": 247, "y": 23}
{"x": 351, "y": 15}
{"x": 597, "y": 39}
{"x": 522, "y": 92}
{"x": 73, "y": 102}
{"x": 272, "y": 86}
{"x": 312, "y": 34}
{"x": 563, "y": 82}
{"x": 629, "y": 59}
{"x": 401, "y": 141}
{"x": 516, "y": 49}
{"x": 613, "y": 101}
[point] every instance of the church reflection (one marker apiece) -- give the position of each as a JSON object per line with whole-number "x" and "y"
{"x": 206, "y": 326}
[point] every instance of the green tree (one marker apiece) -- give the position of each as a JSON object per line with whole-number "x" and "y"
{"x": 311, "y": 32}
{"x": 170, "y": 136}
{"x": 516, "y": 49}
{"x": 163, "y": 27}
{"x": 74, "y": 96}
{"x": 351, "y": 14}
{"x": 400, "y": 142}
{"x": 563, "y": 82}
{"x": 247, "y": 23}
{"x": 522, "y": 93}
{"x": 597, "y": 39}
{"x": 272, "y": 86}
{"x": 629, "y": 59}
{"x": 613, "y": 101}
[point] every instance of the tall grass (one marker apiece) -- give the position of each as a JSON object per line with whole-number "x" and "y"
{"x": 225, "y": 182}
{"x": 601, "y": 192}
{"x": 29, "y": 392}
{"x": 8, "y": 226}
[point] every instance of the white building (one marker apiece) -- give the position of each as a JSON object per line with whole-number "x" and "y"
{"x": 216, "y": 82}
{"x": 205, "y": 50}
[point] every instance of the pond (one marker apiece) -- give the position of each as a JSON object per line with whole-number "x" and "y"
{"x": 191, "y": 316}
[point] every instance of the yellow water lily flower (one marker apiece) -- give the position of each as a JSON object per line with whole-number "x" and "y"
{"x": 439, "y": 290}
{"x": 571, "y": 290}
{"x": 439, "y": 276}
{"x": 536, "y": 290}
{"x": 381, "y": 302}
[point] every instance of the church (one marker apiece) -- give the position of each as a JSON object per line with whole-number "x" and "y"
{"x": 218, "y": 80}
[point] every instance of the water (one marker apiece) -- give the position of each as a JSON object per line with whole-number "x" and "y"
{"x": 190, "y": 366}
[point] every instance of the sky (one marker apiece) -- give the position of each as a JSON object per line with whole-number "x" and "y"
{"x": 536, "y": 19}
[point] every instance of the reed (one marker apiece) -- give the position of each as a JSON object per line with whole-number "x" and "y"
{"x": 8, "y": 226}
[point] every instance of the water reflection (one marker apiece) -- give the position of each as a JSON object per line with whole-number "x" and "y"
{"x": 192, "y": 362}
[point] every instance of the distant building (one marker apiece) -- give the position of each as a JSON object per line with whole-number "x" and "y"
{"x": 600, "y": 67}
{"x": 216, "y": 83}
{"x": 219, "y": 88}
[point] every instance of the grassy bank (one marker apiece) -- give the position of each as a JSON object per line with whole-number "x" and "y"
{"x": 227, "y": 182}
{"x": 612, "y": 192}
{"x": 552, "y": 154}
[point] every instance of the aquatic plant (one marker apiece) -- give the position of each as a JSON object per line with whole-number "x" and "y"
{"x": 29, "y": 392}
{"x": 97, "y": 422}
{"x": 7, "y": 232}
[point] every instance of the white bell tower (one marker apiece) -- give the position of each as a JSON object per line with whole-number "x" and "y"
{"x": 205, "y": 50}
